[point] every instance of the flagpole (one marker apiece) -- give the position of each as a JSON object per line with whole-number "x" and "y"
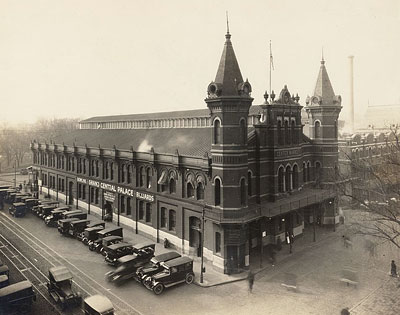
{"x": 270, "y": 66}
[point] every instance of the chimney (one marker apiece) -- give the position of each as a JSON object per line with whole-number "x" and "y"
{"x": 351, "y": 58}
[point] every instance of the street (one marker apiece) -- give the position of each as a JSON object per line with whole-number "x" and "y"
{"x": 34, "y": 248}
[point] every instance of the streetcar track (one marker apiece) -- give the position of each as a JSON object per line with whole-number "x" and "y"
{"x": 49, "y": 251}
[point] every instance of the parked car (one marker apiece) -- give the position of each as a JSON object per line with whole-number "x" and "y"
{"x": 18, "y": 209}
{"x": 43, "y": 203}
{"x": 23, "y": 171}
{"x": 63, "y": 225}
{"x": 76, "y": 227}
{"x": 174, "y": 271}
{"x": 60, "y": 287}
{"x": 113, "y": 252}
{"x": 17, "y": 298}
{"x": 98, "y": 305}
{"x": 46, "y": 211}
{"x": 74, "y": 214}
{"x": 108, "y": 241}
{"x": 154, "y": 265}
{"x": 116, "y": 231}
{"x": 81, "y": 235}
{"x": 142, "y": 253}
{"x": 4, "y": 281}
{"x": 55, "y": 215}
{"x": 19, "y": 197}
{"x": 31, "y": 202}
{"x": 90, "y": 234}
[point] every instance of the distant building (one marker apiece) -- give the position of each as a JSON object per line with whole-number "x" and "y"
{"x": 248, "y": 173}
{"x": 381, "y": 117}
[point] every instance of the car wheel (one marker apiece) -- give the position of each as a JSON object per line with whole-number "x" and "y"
{"x": 158, "y": 289}
{"x": 189, "y": 278}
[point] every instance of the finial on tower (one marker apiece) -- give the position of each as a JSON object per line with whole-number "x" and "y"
{"x": 322, "y": 59}
{"x": 227, "y": 36}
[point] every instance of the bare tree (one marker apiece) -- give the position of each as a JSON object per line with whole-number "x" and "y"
{"x": 372, "y": 181}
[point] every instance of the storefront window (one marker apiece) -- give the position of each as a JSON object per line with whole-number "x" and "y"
{"x": 163, "y": 222}
{"x": 148, "y": 212}
{"x": 128, "y": 205}
{"x": 141, "y": 210}
{"x": 217, "y": 242}
{"x": 172, "y": 220}
{"x": 122, "y": 204}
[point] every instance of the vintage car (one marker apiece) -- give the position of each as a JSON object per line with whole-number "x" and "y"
{"x": 31, "y": 202}
{"x": 127, "y": 264}
{"x": 108, "y": 241}
{"x": 46, "y": 211}
{"x": 174, "y": 271}
{"x": 20, "y": 197}
{"x": 10, "y": 195}
{"x": 4, "y": 281}
{"x": 116, "y": 231}
{"x": 90, "y": 234}
{"x": 74, "y": 214}
{"x": 98, "y": 305}
{"x": 43, "y": 203}
{"x": 81, "y": 235}
{"x": 154, "y": 265}
{"x": 18, "y": 209}
{"x": 60, "y": 287}
{"x": 63, "y": 225}
{"x": 55, "y": 215}
{"x": 77, "y": 227}
{"x": 113, "y": 252}
{"x": 17, "y": 298}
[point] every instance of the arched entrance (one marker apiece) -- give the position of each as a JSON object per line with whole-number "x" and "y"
{"x": 107, "y": 211}
{"x": 195, "y": 235}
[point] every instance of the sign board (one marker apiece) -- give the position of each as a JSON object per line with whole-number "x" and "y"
{"x": 264, "y": 233}
{"x": 39, "y": 182}
{"x": 109, "y": 196}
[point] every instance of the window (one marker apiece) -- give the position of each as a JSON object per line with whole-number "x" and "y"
{"x": 148, "y": 212}
{"x": 122, "y": 173}
{"x": 295, "y": 178}
{"x": 243, "y": 132}
{"x": 172, "y": 186}
{"x": 217, "y": 242}
{"x": 189, "y": 190}
{"x": 242, "y": 192}
{"x": 317, "y": 171}
{"x": 83, "y": 192}
{"x": 97, "y": 196}
{"x": 317, "y": 129}
{"x": 97, "y": 168}
{"x": 249, "y": 192}
{"x": 172, "y": 220}
{"x": 281, "y": 184}
{"x": 148, "y": 177}
{"x": 128, "y": 174}
{"x": 106, "y": 170}
{"x": 287, "y": 179}
{"x": 287, "y": 133}
{"x": 128, "y": 205}
{"x": 79, "y": 190}
{"x": 141, "y": 177}
{"x": 163, "y": 222}
{"x": 200, "y": 191}
{"x": 217, "y": 191}
{"x": 304, "y": 172}
{"x": 111, "y": 171}
{"x": 293, "y": 133}
{"x": 122, "y": 204}
{"x": 141, "y": 210}
{"x": 92, "y": 196}
{"x": 217, "y": 131}
{"x": 280, "y": 138}
{"x": 308, "y": 171}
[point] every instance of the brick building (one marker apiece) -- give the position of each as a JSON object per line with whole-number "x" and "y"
{"x": 231, "y": 176}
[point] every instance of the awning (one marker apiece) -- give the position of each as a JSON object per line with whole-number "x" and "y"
{"x": 163, "y": 178}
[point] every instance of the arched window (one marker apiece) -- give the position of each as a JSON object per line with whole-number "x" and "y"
{"x": 308, "y": 171}
{"x": 112, "y": 171}
{"x": 142, "y": 177}
{"x": 243, "y": 132}
{"x": 217, "y": 191}
{"x": 200, "y": 191}
{"x": 287, "y": 179}
{"x": 281, "y": 185}
{"x": 172, "y": 186}
{"x": 128, "y": 174}
{"x": 249, "y": 192}
{"x": 295, "y": 177}
{"x": 217, "y": 242}
{"x": 242, "y": 192}
{"x": 123, "y": 173}
{"x": 217, "y": 131}
{"x": 189, "y": 190}
{"x": 304, "y": 172}
{"x": 148, "y": 177}
{"x": 172, "y": 220}
{"x": 280, "y": 137}
{"x": 317, "y": 130}
{"x": 293, "y": 133}
{"x": 287, "y": 133}
{"x": 163, "y": 220}
{"x": 317, "y": 171}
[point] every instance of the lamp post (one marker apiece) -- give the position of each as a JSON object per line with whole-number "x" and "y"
{"x": 202, "y": 245}
{"x": 15, "y": 174}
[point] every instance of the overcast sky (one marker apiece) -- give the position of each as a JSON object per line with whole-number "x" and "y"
{"x": 83, "y": 58}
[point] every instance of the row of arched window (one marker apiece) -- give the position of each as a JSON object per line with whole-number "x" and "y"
{"x": 288, "y": 177}
{"x": 218, "y": 134}
{"x": 287, "y": 134}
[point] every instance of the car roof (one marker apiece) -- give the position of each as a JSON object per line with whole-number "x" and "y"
{"x": 126, "y": 258}
{"x": 144, "y": 244}
{"x": 15, "y": 287}
{"x": 167, "y": 256}
{"x": 80, "y": 221}
{"x": 69, "y": 220}
{"x": 48, "y": 207}
{"x": 32, "y": 199}
{"x": 109, "y": 230}
{"x": 178, "y": 261}
{"x": 94, "y": 228}
{"x": 62, "y": 208}
{"x": 99, "y": 303}
{"x": 119, "y": 245}
{"x": 17, "y": 204}
{"x": 60, "y": 273}
{"x": 73, "y": 212}
{"x": 112, "y": 237}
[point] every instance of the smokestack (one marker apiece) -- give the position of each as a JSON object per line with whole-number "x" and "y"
{"x": 351, "y": 58}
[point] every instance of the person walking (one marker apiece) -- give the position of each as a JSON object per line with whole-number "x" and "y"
{"x": 393, "y": 269}
{"x": 250, "y": 279}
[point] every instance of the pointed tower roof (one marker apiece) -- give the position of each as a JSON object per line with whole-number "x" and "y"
{"x": 228, "y": 75}
{"x": 323, "y": 88}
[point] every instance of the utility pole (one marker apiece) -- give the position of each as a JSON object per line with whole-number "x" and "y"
{"x": 314, "y": 219}
{"x": 202, "y": 245}
{"x": 15, "y": 174}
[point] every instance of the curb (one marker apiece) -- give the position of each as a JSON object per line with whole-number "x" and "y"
{"x": 219, "y": 283}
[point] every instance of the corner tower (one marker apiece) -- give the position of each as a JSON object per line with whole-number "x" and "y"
{"x": 323, "y": 110}
{"x": 229, "y": 101}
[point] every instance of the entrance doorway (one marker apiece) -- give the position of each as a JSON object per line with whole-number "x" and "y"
{"x": 70, "y": 193}
{"x": 195, "y": 235}
{"x": 107, "y": 211}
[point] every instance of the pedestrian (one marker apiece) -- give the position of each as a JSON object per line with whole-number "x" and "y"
{"x": 250, "y": 279}
{"x": 345, "y": 311}
{"x": 393, "y": 269}
{"x": 20, "y": 186}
